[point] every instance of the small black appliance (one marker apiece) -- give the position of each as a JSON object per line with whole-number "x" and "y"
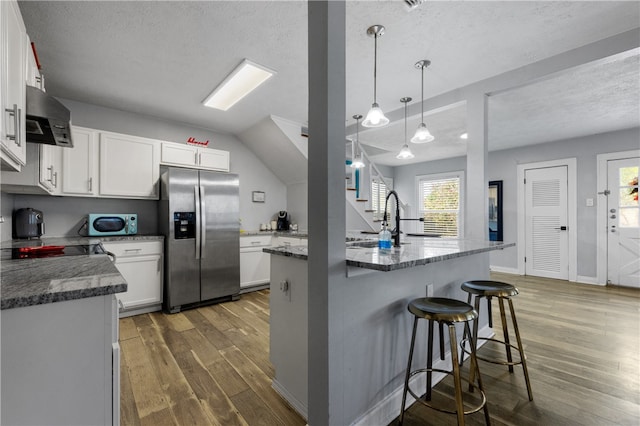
{"x": 283, "y": 220}
{"x": 28, "y": 223}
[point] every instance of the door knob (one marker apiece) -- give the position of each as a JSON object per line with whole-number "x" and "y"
{"x": 612, "y": 210}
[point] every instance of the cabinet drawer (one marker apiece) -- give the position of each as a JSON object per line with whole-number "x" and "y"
{"x": 255, "y": 241}
{"x": 133, "y": 248}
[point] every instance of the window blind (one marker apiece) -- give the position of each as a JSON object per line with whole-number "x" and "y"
{"x": 440, "y": 205}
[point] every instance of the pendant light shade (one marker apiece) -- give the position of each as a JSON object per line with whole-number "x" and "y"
{"x": 375, "y": 117}
{"x": 405, "y": 153}
{"x": 422, "y": 134}
{"x": 357, "y": 161}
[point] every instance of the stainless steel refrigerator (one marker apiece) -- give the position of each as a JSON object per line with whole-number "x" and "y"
{"x": 199, "y": 218}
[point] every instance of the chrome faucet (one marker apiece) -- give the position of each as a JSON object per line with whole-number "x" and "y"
{"x": 396, "y": 232}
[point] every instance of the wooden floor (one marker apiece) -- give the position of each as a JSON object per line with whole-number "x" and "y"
{"x": 210, "y": 366}
{"x": 207, "y": 366}
{"x": 582, "y": 344}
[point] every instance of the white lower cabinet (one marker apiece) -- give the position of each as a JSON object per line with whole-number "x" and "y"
{"x": 255, "y": 267}
{"x": 290, "y": 241}
{"x": 141, "y": 264}
{"x": 61, "y": 363}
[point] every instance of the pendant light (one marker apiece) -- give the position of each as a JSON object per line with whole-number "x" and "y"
{"x": 422, "y": 133}
{"x": 358, "y": 157}
{"x": 375, "y": 116}
{"x": 405, "y": 153}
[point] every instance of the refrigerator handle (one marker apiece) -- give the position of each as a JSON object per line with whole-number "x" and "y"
{"x": 198, "y": 220}
{"x": 203, "y": 224}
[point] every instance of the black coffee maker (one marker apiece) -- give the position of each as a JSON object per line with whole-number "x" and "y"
{"x": 283, "y": 220}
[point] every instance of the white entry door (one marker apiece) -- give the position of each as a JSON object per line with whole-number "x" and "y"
{"x": 623, "y": 223}
{"x": 546, "y": 223}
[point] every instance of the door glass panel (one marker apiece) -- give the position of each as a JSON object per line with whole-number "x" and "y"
{"x": 628, "y": 186}
{"x": 629, "y": 218}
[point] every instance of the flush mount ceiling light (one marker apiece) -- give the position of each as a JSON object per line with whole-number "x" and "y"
{"x": 375, "y": 116}
{"x": 358, "y": 158}
{"x": 405, "y": 153}
{"x": 464, "y": 136}
{"x": 243, "y": 80}
{"x": 422, "y": 135}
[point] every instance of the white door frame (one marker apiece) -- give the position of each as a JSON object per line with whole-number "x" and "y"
{"x": 601, "y": 221}
{"x": 572, "y": 216}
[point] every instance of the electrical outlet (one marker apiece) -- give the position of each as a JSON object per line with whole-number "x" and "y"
{"x": 429, "y": 290}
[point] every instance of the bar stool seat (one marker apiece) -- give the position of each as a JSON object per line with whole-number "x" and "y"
{"x": 490, "y": 289}
{"x": 449, "y": 312}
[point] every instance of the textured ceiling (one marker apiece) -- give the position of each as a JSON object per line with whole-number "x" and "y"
{"x": 164, "y": 58}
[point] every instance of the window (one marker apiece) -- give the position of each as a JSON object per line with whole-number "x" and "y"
{"x": 440, "y": 203}
{"x": 379, "y": 193}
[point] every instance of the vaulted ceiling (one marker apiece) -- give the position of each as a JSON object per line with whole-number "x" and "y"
{"x": 163, "y": 58}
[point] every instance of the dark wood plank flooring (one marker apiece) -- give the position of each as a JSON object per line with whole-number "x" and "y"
{"x": 582, "y": 344}
{"x": 210, "y": 366}
{"x": 207, "y": 366}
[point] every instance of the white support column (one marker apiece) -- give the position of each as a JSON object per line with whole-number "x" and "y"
{"x": 476, "y": 191}
{"x": 327, "y": 251}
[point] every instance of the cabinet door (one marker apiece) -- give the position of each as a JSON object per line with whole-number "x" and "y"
{"x": 254, "y": 267}
{"x": 144, "y": 280}
{"x": 179, "y": 155}
{"x": 14, "y": 38}
{"x": 129, "y": 166}
{"x": 32, "y": 73}
{"x": 79, "y": 164}
{"x": 213, "y": 159}
{"x": 50, "y": 163}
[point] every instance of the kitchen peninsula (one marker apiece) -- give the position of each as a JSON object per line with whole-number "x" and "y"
{"x": 60, "y": 350}
{"x": 374, "y": 317}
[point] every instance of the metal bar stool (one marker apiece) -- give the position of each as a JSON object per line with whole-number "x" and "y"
{"x": 444, "y": 311}
{"x": 502, "y": 291}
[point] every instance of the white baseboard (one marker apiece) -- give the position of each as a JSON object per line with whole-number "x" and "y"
{"x": 389, "y": 408}
{"x": 588, "y": 280}
{"x": 504, "y": 269}
{"x": 301, "y": 408}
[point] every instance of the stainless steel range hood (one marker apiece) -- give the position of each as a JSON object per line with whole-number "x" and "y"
{"x": 47, "y": 120}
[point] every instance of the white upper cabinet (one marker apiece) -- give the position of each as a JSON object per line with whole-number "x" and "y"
{"x": 80, "y": 164}
{"x": 177, "y": 154}
{"x": 129, "y": 166}
{"x": 40, "y": 174}
{"x": 13, "y": 40}
{"x": 33, "y": 76}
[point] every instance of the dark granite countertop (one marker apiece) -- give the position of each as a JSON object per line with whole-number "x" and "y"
{"x": 414, "y": 251}
{"x": 27, "y": 282}
{"x": 293, "y": 234}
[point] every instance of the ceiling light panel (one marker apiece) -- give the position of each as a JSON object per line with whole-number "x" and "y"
{"x": 243, "y": 80}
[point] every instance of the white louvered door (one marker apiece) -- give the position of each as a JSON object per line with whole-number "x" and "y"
{"x": 546, "y": 233}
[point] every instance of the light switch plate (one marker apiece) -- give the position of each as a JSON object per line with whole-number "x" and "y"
{"x": 589, "y": 202}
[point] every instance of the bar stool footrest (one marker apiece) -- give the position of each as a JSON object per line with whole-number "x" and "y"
{"x": 419, "y": 399}
{"x": 463, "y": 346}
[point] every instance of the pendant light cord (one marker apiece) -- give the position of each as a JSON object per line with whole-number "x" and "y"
{"x": 422, "y": 95}
{"x": 405, "y": 122}
{"x": 375, "y": 67}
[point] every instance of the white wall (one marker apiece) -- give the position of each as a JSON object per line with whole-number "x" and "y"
{"x": 297, "y": 204}
{"x": 503, "y": 166}
{"x": 62, "y": 214}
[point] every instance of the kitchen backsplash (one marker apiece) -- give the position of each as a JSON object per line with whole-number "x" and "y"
{"x": 63, "y": 216}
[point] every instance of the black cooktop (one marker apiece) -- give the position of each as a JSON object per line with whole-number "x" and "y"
{"x": 35, "y": 252}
